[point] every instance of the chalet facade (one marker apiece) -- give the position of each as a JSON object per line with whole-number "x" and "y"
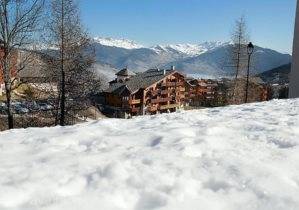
{"x": 205, "y": 93}
{"x": 151, "y": 92}
{"x": 257, "y": 91}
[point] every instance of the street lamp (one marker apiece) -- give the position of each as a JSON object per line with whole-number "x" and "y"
{"x": 294, "y": 76}
{"x": 250, "y": 49}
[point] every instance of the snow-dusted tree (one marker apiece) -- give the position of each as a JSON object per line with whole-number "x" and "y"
{"x": 19, "y": 23}
{"x": 71, "y": 67}
{"x": 239, "y": 57}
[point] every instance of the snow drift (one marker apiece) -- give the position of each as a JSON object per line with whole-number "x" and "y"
{"x": 239, "y": 157}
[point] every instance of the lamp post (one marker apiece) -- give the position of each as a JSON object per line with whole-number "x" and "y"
{"x": 294, "y": 77}
{"x": 250, "y": 49}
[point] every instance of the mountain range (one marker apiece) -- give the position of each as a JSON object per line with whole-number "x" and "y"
{"x": 279, "y": 75}
{"x": 208, "y": 59}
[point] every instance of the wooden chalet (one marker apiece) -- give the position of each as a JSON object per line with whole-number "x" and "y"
{"x": 151, "y": 92}
{"x": 204, "y": 92}
{"x": 257, "y": 91}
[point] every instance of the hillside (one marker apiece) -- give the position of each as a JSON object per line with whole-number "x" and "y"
{"x": 279, "y": 75}
{"x": 239, "y": 157}
{"x": 206, "y": 60}
{"x": 209, "y": 59}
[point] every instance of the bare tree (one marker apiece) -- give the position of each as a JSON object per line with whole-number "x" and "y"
{"x": 239, "y": 57}
{"x": 75, "y": 57}
{"x": 18, "y": 26}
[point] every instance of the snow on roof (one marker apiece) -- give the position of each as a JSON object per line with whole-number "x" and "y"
{"x": 232, "y": 158}
{"x": 141, "y": 80}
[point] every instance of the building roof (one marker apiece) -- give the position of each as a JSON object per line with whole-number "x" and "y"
{"x": 125, "y": 72}
{"x": 192, "y": 82}
{"x": 141, "y": 80}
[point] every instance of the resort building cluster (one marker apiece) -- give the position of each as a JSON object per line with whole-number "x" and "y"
{"x": 163, "y": 91}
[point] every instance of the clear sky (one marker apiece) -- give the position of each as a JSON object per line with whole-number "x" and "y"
{"x": 150, "y": 22}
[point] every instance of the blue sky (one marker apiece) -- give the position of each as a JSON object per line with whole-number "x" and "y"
{"x": 150, "y": 22}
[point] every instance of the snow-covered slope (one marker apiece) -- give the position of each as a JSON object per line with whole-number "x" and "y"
{"x": 240, "y": 157}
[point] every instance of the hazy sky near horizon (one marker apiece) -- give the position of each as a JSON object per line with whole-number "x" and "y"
{"x": 150, "y": 22}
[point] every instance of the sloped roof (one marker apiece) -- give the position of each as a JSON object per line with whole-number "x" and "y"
{"x": 141, "y": 80}
{"x": 192, "y": 82}
{"x": 125, "y": 72}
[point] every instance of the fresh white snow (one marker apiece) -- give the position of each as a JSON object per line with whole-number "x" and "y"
{"x": 120, "y": 43}
{"x": 189, "y": 49}
{"x": 239, "y": 157}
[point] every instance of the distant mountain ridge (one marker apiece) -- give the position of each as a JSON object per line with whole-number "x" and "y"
{"x": 208, "y": 59}
{"x": 279, "y": 75}
{"x": 188, "y": 49}
{"x": 120, "y": 43}
{"x": 205, "y": 60}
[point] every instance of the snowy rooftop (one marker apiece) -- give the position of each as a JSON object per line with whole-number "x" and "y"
{"x": 239, "y": 157}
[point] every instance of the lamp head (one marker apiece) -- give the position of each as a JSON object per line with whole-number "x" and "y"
{"x": 250, "y": 48}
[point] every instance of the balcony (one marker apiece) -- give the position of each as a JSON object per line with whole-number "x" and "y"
{"x": 152, "y": 109}
{"x": 163, "y": 92}
{"x": 173, "y": 84}
{"x": 135, "y": 109}
{"x": 170, "y": 106}
{"x": 181, "y": 89}
{"x": 181, "y": 97}
{"x": 161, "y": 100}
{"x": 132, "y": 102}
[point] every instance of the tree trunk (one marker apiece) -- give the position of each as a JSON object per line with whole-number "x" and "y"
{"x": 8, "y": 104}
{"x": 62, "y": 99}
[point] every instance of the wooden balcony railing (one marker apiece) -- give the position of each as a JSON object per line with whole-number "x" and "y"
{"x": 181, "y": 89}
{"x": 135, "y": 109}
{"x": 161, "y": 100}
{"x": 152, "y": 108}
{"x": 152, "y": 93}
{"x": 173, "y": 84}
{"x": 181, "y": 97}
{"x": 137, "y": 101}
{"x": 167, "y": 91}
{"x": 163, "y": 92}
{"x": 170, "y": 106}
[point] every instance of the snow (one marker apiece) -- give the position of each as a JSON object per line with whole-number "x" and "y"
{"x": 188, "y": 49}
{"x": 238, "y": 157}
{"x": 119, "y": 43}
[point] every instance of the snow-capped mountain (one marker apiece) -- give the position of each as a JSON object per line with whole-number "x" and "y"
{"x": 208, "y": 59}
{"x": 216, "y": 63}
{"x": 120, "y": 43}
{"x": 188, "y": 49}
